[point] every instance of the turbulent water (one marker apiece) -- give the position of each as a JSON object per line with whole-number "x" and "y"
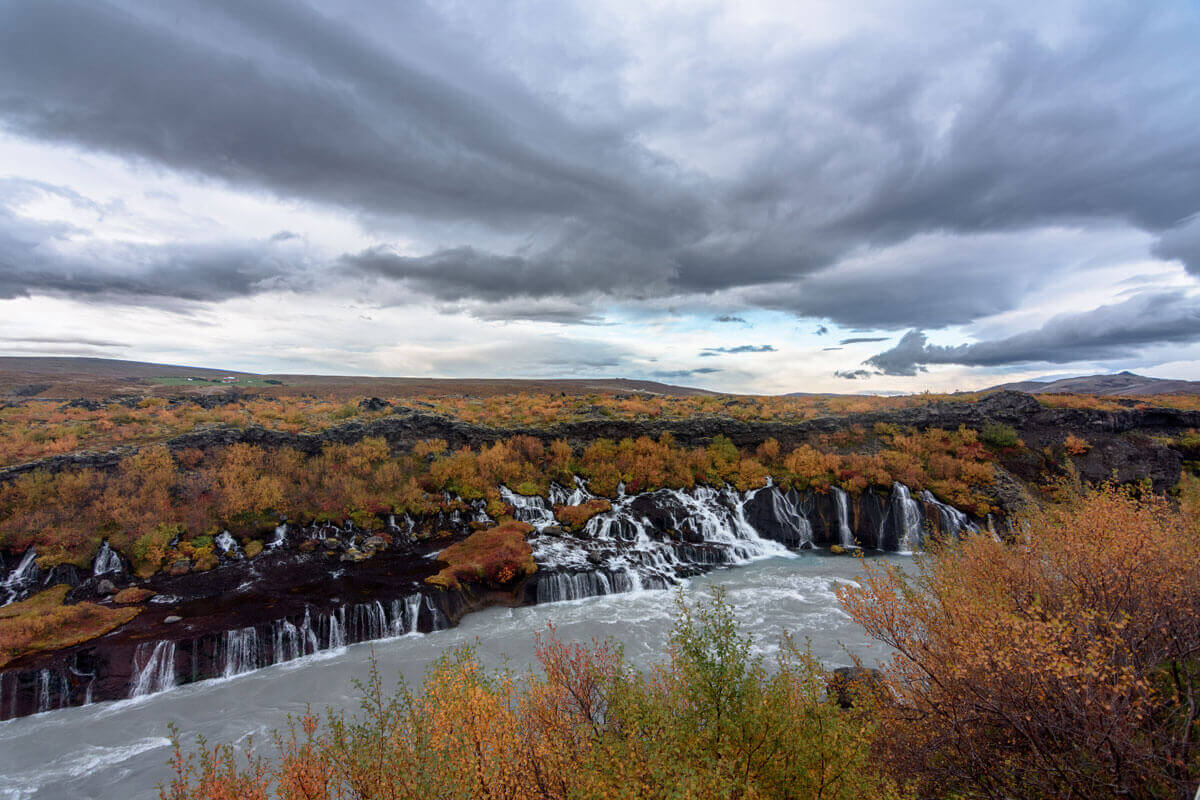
{"x": 119, "y": 750}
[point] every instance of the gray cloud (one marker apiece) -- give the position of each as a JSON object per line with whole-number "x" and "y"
{"x": 742, "y": 348}
{"x": 1182, "y": 243}
{"x": 860, "y": 339}
{"x": 80, "y": 340}
{"x": 854, "y": 375}
{"x": 868, "y": 143}
{"x": 1104, "y": 333}
{"x": 39, "y": 257}
{"x": 683, "y": 373}
{"x": 730, "y": 318}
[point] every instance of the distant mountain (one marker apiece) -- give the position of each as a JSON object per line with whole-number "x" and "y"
{"x": 1122, "y": 383}
{"x": 47, "y": 377}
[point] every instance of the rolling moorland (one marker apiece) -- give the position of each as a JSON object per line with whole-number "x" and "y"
{"x": 157, "y": 530}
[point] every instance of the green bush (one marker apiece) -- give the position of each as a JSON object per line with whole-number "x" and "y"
{"x": 999, "y": 436}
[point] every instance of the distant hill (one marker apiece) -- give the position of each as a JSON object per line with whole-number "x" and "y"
{"x": 72, "y": 377}
{"x": 1122, "y": 383}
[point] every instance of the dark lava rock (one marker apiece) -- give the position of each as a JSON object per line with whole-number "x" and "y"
{"x": 373, "y": 404}
{"x": 105, "y": 587}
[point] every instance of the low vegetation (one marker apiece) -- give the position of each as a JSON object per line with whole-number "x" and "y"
{"x": 576, "y": 516}
{"x": 493, "y": 557}
{"x": 42, "y": 623}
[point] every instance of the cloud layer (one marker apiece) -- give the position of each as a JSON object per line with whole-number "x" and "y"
{"x": 857, "y": 169}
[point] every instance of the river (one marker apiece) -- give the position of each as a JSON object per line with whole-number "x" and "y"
{"x": 118, "y": 751}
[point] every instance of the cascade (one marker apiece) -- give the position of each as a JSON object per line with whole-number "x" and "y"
{"x": 906, "y": 514}
{"x": 240, "y": 652}
{"x": 951, "y": 521}
{"x": 43, "y": 691}
{"x": 226, "y": 543}
{"x": 845, "y": 535}
{"x": 153, "y": 668}
{"x": 106, "y": 560}
{"x": 337, "y": 629}
{"x": 22, "y": 575}
{"x": 281, "y": 531}
{"x": 406, "y": 615}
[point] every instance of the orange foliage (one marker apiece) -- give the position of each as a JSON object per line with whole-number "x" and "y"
{"x": 493, "y": 556}
{"x": 42, "y": 623}
{"x": 1063, "y": 664}
{"x": 575, "y": 517}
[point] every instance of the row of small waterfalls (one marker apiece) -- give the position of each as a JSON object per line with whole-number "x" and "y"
{"x": 645, "y": 541}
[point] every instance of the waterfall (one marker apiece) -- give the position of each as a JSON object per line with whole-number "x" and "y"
{"x": 406, "y": 615}
{"x": 153, "y": 668}
{"x": 43, "y": 691}
{"x": 951, "y": 521}
{"x": 845, "y": 535}
{"x": 621, "y": 550}
{"x": 337, "y": 629}
{"x": 437, "y": 620}
{"x": 241, "y": 652}
{"x": 368, "y": 621}
{"x": 106, "y": 560}
{"x": 907, "y": 517}
{"x": 561, "y": 586}
{"x": 281, "y": 531}
{"x": 226, "y": 543}
{"x": 528, "y": 508}
{"x": 22, "y": 575}
{"x": 287, "y": 644}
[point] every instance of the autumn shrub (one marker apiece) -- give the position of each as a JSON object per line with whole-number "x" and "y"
{"x": 576, "y": 516}
{"x": 1064, "y": 664}
{"x": 1076, "y": 445}
{"x": 133, "y": 595}
{"x": 493, "y": 556}
{"x": 999, "y": 436}
{"x": 713, "y": 720}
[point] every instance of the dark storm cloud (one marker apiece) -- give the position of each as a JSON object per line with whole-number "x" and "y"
{"x": 37, "y": 258}
{"x": 1108, "y": 332}
{"x": 1182, "y": 243}
{"x": 861, "y": 339}
{"x": 868, "y": 143}
{"x": 277, "y": 95}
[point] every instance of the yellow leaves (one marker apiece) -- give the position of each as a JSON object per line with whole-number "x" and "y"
{"x": 1044, "y": 649}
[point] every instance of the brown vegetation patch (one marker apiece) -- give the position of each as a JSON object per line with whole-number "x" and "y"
{"x": 42, "y": 623}
{"x": 133, "y": 594}
{"x": 575, "y": 517}
{"x": 495, "y": 557}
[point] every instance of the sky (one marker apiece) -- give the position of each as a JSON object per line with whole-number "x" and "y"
{"x": 758, "y": 197}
